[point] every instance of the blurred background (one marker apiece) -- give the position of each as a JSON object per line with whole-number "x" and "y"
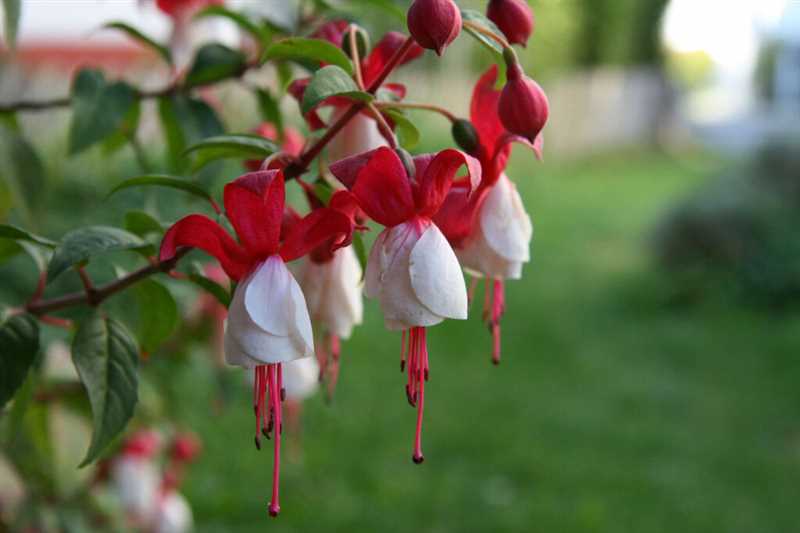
{"x": 650, "y": 362}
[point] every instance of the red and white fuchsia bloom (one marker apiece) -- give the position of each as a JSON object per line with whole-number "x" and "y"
{"x": 173, "y": 514}
{"x": 135, "y": 478}
{"x": 268, "y": 322}
{"x": 412, "y": 269}
{"x": 490, "y": 230}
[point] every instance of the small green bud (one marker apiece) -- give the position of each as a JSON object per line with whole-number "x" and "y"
{"x": 362, "y": 41}
{"x": 465, "y": 135}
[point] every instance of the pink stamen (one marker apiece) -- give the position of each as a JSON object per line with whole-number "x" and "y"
{"x": 275, "y": 385}
{"x": 422, "y": 362}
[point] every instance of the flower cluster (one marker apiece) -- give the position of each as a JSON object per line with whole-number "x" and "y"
{"x": 437, "y": 222}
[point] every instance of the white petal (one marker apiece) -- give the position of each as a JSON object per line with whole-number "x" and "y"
{"x": 505, "y": 224}
{"x": 436, "y": 275}
{"x": 302, "y": 334}
{"x": 267, "y": 296}
{"x": 301, "y": 378}
{"x": 136, "y": 483}
{"x": 174, "y": 514}
{"x": 361, "y": 134}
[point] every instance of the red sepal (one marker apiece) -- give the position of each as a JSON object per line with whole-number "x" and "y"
{"x": 254, "y": 205}
{"x": 383, "y": 190}
{"x": 314, "y": 229}
{"x": 435, "y": 173}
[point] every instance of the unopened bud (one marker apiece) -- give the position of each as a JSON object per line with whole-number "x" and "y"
{"x": 523, "y": 106}
{"x": 465, "y": 135}
{"x": 434, "y": 24}
{"x": 362, "y": 41}
{"x": 513, "y": 17}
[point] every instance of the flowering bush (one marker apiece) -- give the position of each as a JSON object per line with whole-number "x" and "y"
{"x": 296, "y": 278}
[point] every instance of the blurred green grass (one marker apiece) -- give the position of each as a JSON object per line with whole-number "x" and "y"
{"x": 613, "y": 410}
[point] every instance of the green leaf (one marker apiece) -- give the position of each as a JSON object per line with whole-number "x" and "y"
{"x": 126, "y": 131}
{"x": 185, "y": 120}
{"x": 331, "y": 81}
{"x": 323, "y": 190}
{"x": 361, "y": 251}
{"x": 8, "y": 231}
{"x": 259, "y": 33}
{"x": 476, "y": 17}
{"x": 81, "y": 244}
{"x": 21, "y": 167}
{"x": 106, "y": 357}
{"x": 270, "y": 109}
{"x": 158, "y": 314}
{"x": 99, "y": 109}
{"x": 142, "y": 224}
{"x": 407, "y": 132}
{"x": 19, "y": 344}
{"x": 300, "y": 49}
{"x": 215, "y": 62}
{"x": 209, "y": 285}
{"x": 12, "y": 10}
{"x": 137, "y": 35}
{"x": 239, "y": 146}
{"x": 164, "y": 180}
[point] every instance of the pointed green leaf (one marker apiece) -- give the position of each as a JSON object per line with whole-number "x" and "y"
{"x": 215, "y": 62}
{"x": 99, "y": 109}
{"x": 407, "y": 132}
{"x": 478, "y": 18}
{"x": 185, "y": 120}
{"x": 19, "y": 344}
{"x": 106, "y": 357}
{"x": 137, "y": 35}
{"x": 315, "y": 50}
{"x": 164, "y": 180}
{"x": 238, "y": 146}
{"x": 8, "y": 231}
{"x": 12, "y": 10}
{"x": 331, "y": 81}
{"x": 81, "y": 244}
{"x": 21, "y": 167}
{"x": 158, "y": 314}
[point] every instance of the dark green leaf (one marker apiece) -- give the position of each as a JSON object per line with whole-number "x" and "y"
{"x": 137, "y": 35}
{"x": 331, "y": 81}
{"x": 210, "y": 286}
{"x": 300, "y": 49}
{"x": 19, "y": 344}
{"x": 270, "y": 109}
{"x": 185, "y": 120}
{"x": 164, "y": 180}
{"x": 239, "y": 146}
{"x": 407, "y": 132}
{"x": 12, "y": 232}
{"x": 158, "y": 314}
{"x": 99, "y": 109}
{"x": 81, "y": 244}
{"x": 142, "y": 224}
{"x": 476, "y": 17}
{"x": 259, "y": 33}
{"x": 106, "y": 357}
{"x": 361, "y": 251}
{"x": 126, "y": 131}
{"x": 21, "y": 167}
{"x": 12, "y": 10}
{"x": 215, "y": 62}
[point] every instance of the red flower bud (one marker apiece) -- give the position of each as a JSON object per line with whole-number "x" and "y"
{"x": 523, "y": 106}
{"x": 434, "y": 24}
{"x": 513, "y": 17}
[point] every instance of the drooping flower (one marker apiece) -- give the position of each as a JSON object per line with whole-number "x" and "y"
{"x": 361, "y": 133}
{"x": 134, "y": 476}
{"x": 523, "y": 106}
{"x": 490, "y": 230}
{"x": 513, "y": 17}
{"x": 412, "y": 269}
{"x": 434, "y": 24}
{"x": 292, "y": 145}
{"x": 268, "y": 322}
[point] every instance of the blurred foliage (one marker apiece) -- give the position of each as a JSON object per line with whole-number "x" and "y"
{"x": 764, "y": 75}
{"x": 691, "y": 69}
{"x": 740, "y": 231}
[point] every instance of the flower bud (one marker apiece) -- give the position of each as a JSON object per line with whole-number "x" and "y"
{"x": 513, "y": 17}
{"x": 523, "y": 106}
{"x": 362, "y": 41}
{"x": 465, "y": 135}
{"x": 434, "y": 24}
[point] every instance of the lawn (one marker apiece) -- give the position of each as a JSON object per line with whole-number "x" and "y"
{"x": 613, "y": 410}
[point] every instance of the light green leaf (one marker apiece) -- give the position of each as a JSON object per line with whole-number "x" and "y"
{"x": 407, "y": 132}
{"x": 323, "y": 190}
{"x": 99, "y": 109}
{"x": 142, "y": 224}
{"x": 260, "y": 33}
{"x": 12, "y": 10}
{"x": 300, "y": 49}
{"x": 8, "y": 231}
{"x": 158, "y": 314}
{"x": 81, "y": 244}
{"x": 164, "y": 180}
{"x": 331, "y": 81}
{"x": 19, "y": 344}
{"x": 137, "y": 35}
{"x": 106, "y": 357}
{"x": 238, "y": 146}
{"x": 215, "y": 62}
{"x": 476, "y": 17}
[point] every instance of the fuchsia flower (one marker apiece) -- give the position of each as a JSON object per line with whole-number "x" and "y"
{"x": 412, "y": 269}
{"x": 490, "y": 230}
{"x": 268, "y": 322}
{"x": 293, "y": 142}
{"x": 513, "y": 17}
{"x": 361, "y": 133}
{"x": 434, "y": 24}
{"x": 134, "y": 476}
